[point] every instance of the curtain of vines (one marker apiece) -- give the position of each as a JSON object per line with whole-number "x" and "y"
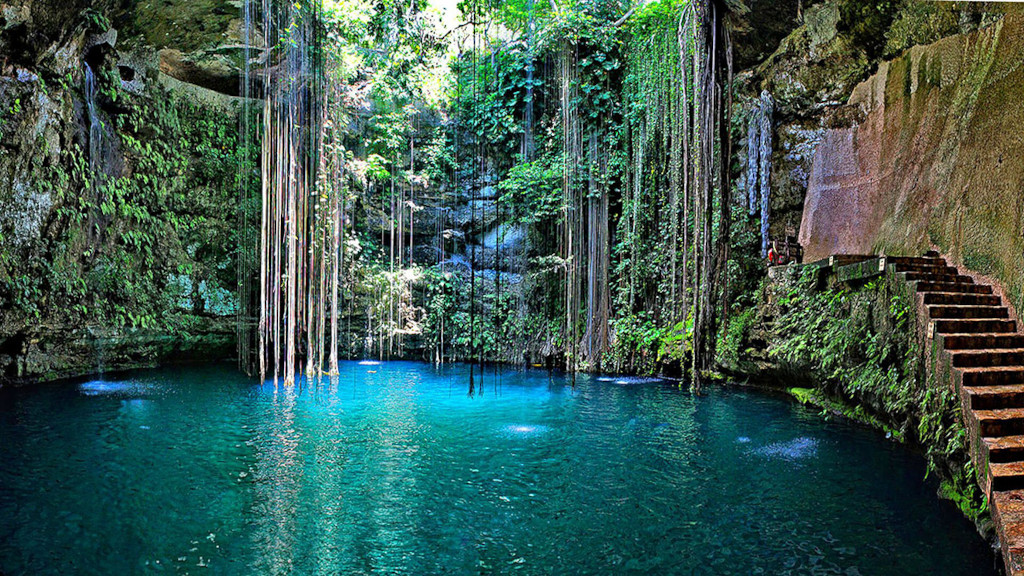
{"x": 653, "y": 233}
{"x": 712, "y": 74}
{"x": 297, "y": 239}
{"x": 586, "y": 78}
{"x": 675, "y": 225}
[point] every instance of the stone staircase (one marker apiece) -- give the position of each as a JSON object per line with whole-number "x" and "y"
{"x": 979, "y": 350}
{"x": 985, "y": 352}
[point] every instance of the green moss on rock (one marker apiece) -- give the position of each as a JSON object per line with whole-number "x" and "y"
{"x": 859, "y": 355}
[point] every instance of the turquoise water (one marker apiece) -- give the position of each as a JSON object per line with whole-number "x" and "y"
{"x": 394, "y": 469}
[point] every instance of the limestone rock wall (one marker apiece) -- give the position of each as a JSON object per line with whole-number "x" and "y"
{"x": 935, "y": 159}
{"x": 117, "y": 186}
{"x": 832, "y": 46}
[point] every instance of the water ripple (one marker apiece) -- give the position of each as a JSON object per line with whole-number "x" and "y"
{"x": 402, "y": 472}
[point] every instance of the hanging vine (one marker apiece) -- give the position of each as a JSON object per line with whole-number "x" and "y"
{"x": 612, "y": 175}
{"x": 674, "y": 232}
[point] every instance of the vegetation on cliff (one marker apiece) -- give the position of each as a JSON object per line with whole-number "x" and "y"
{"x": 858, "y": 352}
{"x": 585, "y": 184}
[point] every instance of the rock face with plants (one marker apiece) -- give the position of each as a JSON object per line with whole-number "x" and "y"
{"x": 519, "y": 186}
{"x": 117, "y": 200}
{"x": 936, "y": 129}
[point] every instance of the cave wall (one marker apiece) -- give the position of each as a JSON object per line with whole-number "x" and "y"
{"x": 934, "y": 159}
{"x": 117, "y": 219}
{"x": 832, "y": 46}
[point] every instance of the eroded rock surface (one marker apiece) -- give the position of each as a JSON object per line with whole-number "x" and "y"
{"x": 935, "y": 162}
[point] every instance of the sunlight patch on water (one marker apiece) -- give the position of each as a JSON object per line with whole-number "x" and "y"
{"x": 796, "y": 449}
{"x": 99, "y": 388}
{"x": 369, "y": 363}
{"x": 635, "y": 380}
{"x": 131, "y": 392}
{"x": 105, "y": 388}
{"x": 524, "y": 430}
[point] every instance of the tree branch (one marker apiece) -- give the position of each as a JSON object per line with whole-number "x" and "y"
{"x": 449, "y": 33}
{"x": 625, "y": 17}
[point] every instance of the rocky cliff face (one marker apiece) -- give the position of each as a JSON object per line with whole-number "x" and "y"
{"x": 932, "y": 160}
{"x": 833, "y": 46}
{"x": 117, "y": 186}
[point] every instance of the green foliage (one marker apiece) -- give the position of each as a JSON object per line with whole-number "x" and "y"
{"x": 513, "y": 14}
{"x": 96, "y": 20}
{"x": 861, "y": 345}
{"x": 730, "y": 348}
{"x": 377, "y": 168}
{"x": 921, "y": 23}
{"x": 439, "y": 157}
{"x": 441, "y": 300}
{"x": 532, "y": 191}
{"x": 490, "y": 97}
{"x": 867, "y": 23}
{"x": 676, "y": 343}
{"x": 804, "y": 395}
{"x": 642, "y": 345}
{"x": 598, "y": 97}
{"x": 652, "y": 17}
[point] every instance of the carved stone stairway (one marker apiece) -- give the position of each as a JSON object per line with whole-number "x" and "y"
{"x": 979, "y": 350}
{"x": 985, "y": 351}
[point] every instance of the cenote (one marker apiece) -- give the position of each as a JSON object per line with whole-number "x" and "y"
{"x": 392, "y": 468}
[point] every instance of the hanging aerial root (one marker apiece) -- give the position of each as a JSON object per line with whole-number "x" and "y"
{"x": 299, "y": 228}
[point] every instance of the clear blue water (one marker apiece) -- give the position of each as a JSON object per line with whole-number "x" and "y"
{"x": 393, "y": 469}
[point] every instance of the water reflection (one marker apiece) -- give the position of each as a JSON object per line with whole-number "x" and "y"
{"x": 277, "y": 482}
{"x": 399, "y": 472}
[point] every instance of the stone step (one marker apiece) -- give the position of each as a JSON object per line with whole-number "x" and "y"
{"x": 974, "y": 326}
{"x": 982, "y": 341}
{"x": 1000, "y": 422}
{"x": 1005, "y": 448}
{"x": 1008, "y": 513}
{"x": 925, "y": 268}
{"x": 915, "y": 260}
{"x": 995, "y": 397}
{"x": 961, "y": 299}
{"x": 979, "y": 358}
{"x": 961, "y": 311}
{"x": 991, "y": 376}
{"x": 838, "y": 260}
{"x": 987, "y": 356}
{"x": 1006, "y": 476}
{"x": 924, "y": 286}
{"x": 933, "y": 277}
{"x": 846, "y": 259}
